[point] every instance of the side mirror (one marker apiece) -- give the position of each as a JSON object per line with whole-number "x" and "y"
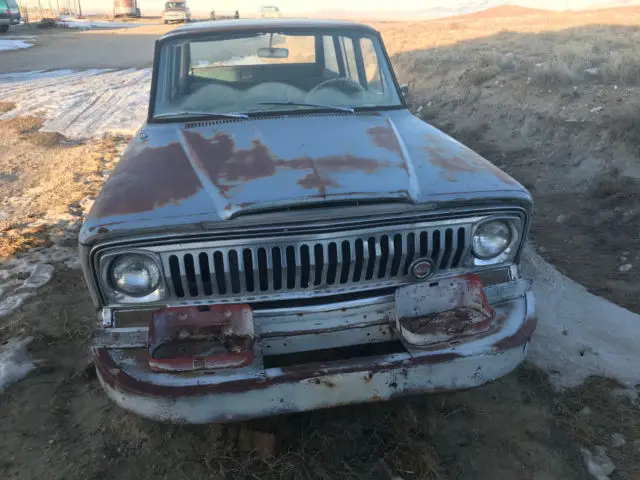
{"x": 404, "y": 89}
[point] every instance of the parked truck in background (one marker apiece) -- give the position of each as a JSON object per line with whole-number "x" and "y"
{"x": 126, "y": 8}
{"x": 176, "y": 12}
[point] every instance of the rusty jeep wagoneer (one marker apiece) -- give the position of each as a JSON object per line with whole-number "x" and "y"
{"x": 283, "y": 235}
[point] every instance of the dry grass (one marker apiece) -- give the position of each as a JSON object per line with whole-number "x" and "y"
{"x": 43, "y": 178}
{"x": 591, "y": 414}
{"x": 513, "y": 85}
{"x": 555, "y": 100}
{"x": 6, "y": 106}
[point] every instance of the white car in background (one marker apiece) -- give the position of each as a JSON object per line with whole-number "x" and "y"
{"x": 176, "y": 12}
{"x": 270, "y": 11}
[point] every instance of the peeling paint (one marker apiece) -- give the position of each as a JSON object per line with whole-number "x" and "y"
{"x": 385, "y": 137}
{"x": 227, "y": 166}
{"x": 456, "y": 158}
{"x": 147, "y": 178}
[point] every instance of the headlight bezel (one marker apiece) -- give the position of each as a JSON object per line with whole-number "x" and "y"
{"x": 115, "y": 295}
{"x": 516, "y": 226}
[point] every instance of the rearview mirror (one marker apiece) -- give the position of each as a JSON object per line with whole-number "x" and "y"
{"x": 273, "y": 52}
{"x": 404, "y": 89}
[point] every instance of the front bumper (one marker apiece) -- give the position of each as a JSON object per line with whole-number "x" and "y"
{"x": 175, "y": 18}
{"x": 203, "y": 397}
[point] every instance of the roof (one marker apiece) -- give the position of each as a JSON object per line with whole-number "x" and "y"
{"x": 258, "y": 24}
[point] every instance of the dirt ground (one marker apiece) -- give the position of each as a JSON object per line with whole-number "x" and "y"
{"x": 557, "y": 109}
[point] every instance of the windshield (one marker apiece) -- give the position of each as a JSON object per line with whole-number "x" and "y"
{"x": 170, "y": 5}
{"x": 253, "y": 73}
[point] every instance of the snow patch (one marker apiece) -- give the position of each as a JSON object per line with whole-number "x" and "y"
{"x": 80, "y": 104}
{"x": 14, "y": 361}
{"x": 6, "y": 45}
{"x": 84, "y": 24}
{"x": 22, "y": 275}
{"x": 598, "y": 463}
{"x": 580, "y": 334}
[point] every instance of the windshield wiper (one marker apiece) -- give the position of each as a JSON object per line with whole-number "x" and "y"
{"x": 194, "y": 113}
{"x": 314, "y": 105}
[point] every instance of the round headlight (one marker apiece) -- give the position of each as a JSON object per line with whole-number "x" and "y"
{"x": 491, "y": 239}
{"x": 135, "y": 275}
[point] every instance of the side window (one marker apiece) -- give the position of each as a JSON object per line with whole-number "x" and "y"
{"x": 330, "y": 57}
{"x": 349, "y": 56}
{"x": 371, "y": 65}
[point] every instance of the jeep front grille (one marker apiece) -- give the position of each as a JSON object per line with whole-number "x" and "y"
{"x": 293, "y": 267}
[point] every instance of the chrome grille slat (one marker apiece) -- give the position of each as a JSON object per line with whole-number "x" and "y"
{"x": 183, "y": 276}
{"x": 292, "y": 267}
{"x": 284, "y": 268}
{"x": 340, "y": 264}
{"x": 390, "y": 258}
{"x": 226, "y": 270}
{"x": 454, "y": 248}
{"x": 271, "y": 280}
{"x": 255, "y": 270}
{"x": 198, "y": 274}
{"x": 365, "y": 260}
{"x": 325, "y": 264}
{"x": 242, "y": 276}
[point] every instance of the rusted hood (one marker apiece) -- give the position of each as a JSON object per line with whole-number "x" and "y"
{"x": 183, "y": 174}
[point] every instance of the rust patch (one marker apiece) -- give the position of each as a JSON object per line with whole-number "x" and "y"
{"x": 147, "y": 179}
{"x": 190, "y": 338}
{"x": 470, "y": 162}
{"x": 454, "y": 323}
{"x": 121, "y": 380}
{"x": 226, "y": 166}
{"x": 349, "y": 162}
{"x": 385, "y": 137}
{"x": 315, "y": 181}
{"x": 520, "y": 338}
{"x": 223, "y": 163}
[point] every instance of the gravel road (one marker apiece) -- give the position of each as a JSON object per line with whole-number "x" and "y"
{"x": 62, "y": 49}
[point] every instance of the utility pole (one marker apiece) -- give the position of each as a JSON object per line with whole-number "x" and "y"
{"x": 40, "y": 9}
{"x": 80, "y": 9}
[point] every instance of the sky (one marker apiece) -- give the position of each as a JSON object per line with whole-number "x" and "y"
{"x": 291, "y": 7}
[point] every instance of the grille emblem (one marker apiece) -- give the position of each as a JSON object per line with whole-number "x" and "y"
{"x": 421, "y": 269}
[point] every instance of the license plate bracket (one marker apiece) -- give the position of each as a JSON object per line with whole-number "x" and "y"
{"x": 435, "y": 312}
{"x": 201, "y": 338}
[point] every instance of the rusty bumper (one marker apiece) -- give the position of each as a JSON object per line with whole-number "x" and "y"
{"x": 204, "y": 398}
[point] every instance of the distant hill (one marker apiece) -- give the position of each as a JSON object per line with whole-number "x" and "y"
{"x": 505, "y": 11}
{"x": 399, "y": 11}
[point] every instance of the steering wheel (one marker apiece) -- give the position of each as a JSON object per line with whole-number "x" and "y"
{"x": 345, "y": 81}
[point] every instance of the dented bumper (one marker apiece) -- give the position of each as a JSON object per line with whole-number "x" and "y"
{"x": 259, "y": 390}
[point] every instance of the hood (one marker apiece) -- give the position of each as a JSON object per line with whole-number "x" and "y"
{"x": 217, "y": 170}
